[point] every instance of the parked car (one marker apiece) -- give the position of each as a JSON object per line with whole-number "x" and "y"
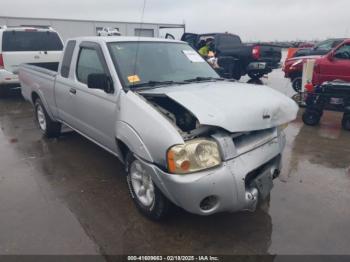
{"x": 186, "y": 136}
{"x": 321, "y": 48}
{"x": 106, "y": 31}
{"x": 237, "y": 58}
{"x": 25, "y": 45}
{"x": 293, "y": 69}
{"x": 333, "y": 66}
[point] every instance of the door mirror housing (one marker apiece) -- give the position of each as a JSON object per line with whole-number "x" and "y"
{"x": 100, "y": 81}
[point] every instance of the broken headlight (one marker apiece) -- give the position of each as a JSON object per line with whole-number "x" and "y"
{"x": 193, "y": 156}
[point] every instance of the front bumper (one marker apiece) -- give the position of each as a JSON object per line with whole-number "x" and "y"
{"x": 234, "y": 186}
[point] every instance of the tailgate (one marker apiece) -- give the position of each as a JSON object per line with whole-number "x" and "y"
{"x": 12, "y": 60}
{"x": 270, "y": 54}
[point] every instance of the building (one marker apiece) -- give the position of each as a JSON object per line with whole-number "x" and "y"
{"x": 68, "y": 28}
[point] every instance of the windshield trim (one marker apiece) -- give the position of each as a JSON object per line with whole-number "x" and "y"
{"x": 126, "y": 87}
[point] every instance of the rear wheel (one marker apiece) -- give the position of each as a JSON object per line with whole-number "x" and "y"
{"x": 49, "y": 127}
{"x": 346, "y": 122}
{"x": 255, "y": 75}
{"x": 145, "y": 194}
{"x": 311, "y": 117}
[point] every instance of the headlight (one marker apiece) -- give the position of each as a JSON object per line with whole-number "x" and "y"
{"x": 193, "y": 156}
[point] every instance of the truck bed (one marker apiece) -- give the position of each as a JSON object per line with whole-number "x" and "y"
{"x": 39, "y": 78}
{"x": 51, "y": 66}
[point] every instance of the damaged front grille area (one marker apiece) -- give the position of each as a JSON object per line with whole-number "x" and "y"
{"x": 245, "y": 142}
{"x": 255, "y": 173}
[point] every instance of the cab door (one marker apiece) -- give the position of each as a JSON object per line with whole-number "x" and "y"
{"x": 336, "y": 65}
{"x": 96, "y": 108}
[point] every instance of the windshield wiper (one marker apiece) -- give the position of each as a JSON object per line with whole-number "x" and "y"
{"x": 152, "y": 84}
{"x": 201, "y": 79}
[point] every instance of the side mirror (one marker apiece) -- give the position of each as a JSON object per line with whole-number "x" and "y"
{"x": 100, "y": 81}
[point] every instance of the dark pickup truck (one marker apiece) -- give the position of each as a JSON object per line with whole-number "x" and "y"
{"x": 236, "y": 58}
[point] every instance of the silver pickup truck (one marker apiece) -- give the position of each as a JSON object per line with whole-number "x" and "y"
{"x": 186, "y": 136}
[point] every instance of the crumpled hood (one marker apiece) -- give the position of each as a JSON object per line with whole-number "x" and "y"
{"x": 236, "y": 107}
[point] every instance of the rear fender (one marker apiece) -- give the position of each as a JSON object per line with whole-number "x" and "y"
{"x": 38, "y": 93}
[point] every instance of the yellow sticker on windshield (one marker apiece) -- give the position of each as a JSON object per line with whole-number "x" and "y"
{"x": 134, "y": 79}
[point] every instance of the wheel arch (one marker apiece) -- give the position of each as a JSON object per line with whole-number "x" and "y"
{"x": 37, "y": 95}
{"x": 128, "y": 139}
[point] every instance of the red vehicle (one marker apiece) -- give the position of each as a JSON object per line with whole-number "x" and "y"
{"x": 293, "y": 69}
{"x": 333, "y": 66}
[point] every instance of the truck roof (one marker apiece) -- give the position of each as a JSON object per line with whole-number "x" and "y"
{"x": 109, "y": 39}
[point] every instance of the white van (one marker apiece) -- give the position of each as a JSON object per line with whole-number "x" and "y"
{"x": 30, "y": 45}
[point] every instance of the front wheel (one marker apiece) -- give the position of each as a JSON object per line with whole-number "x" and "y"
{"x": 145, "y": 194}
{"x": 49, "y": 127}
{"x": 296, "y": 84}
{"x": 255, "y": 75}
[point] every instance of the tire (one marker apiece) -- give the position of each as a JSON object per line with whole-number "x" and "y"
{"x": 296, "y": 84}
{"x": 237, "y": 77}
{"x": 311, "y": 118}
{"x": 254, "y": 76}
{"x": 346, "y": 122}
{"x": 151, "y": 203}
{"x": 49, "y": 127}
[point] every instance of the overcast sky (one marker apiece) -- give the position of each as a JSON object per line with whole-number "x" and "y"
{"x": 251, "y": 19}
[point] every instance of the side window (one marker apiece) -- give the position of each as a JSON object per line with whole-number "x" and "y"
{"x": 326, "y": 45}
{"x": 88, "y": 63}
{"x": 343, "y": 52}
{"x": 67, "y": 59}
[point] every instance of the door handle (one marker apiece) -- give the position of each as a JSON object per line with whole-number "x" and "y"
{"x": 73, "y": 91}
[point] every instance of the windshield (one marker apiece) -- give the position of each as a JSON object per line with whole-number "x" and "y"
{"x": 144, "y": 62}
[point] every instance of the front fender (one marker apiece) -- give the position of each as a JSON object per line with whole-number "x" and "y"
{"x": 144, "y": 130}
{"x": 132, "y": 140}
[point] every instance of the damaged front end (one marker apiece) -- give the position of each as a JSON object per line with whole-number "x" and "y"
{"x": 228, "y": 160}
{"x": 182, "y": 119}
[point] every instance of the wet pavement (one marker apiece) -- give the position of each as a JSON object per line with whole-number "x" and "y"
{"x": 68, "y": 196}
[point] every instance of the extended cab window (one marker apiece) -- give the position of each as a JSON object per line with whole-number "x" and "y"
{"x": 16, "y": 41}
{"x": 343, "y": 52}
{"x": 88, "y": 63}
{"x": 67, "y": 59}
